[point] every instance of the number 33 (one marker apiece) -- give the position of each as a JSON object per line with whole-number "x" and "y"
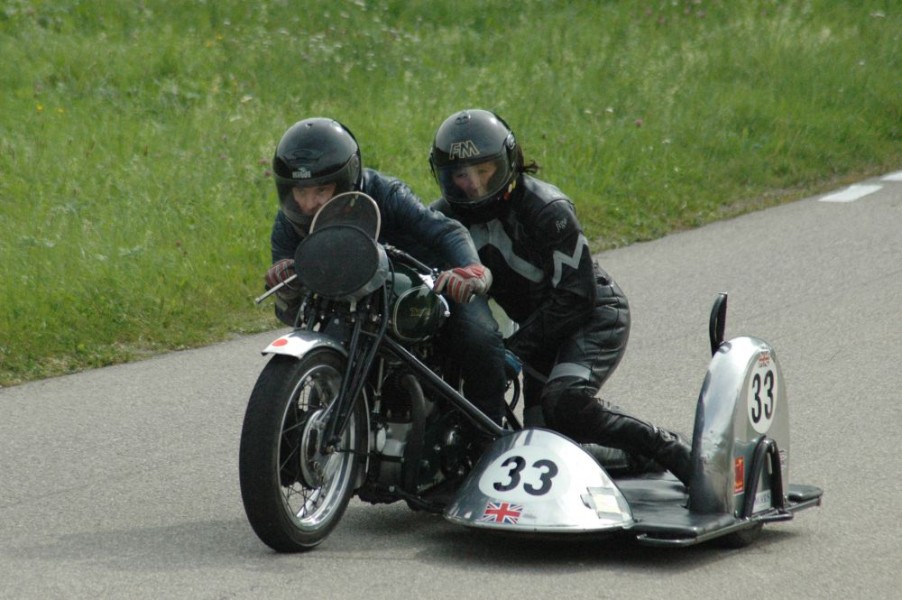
{"x": 516, "y": 465}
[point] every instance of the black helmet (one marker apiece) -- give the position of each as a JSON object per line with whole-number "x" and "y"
{"x": 467, "y": 139}
{"x": 315, "y": 152}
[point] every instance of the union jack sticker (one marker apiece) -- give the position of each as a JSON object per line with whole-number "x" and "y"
{"x": 502, "y": 512}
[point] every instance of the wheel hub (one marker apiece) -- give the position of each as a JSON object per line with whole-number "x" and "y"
{"x": 312, "y": 460}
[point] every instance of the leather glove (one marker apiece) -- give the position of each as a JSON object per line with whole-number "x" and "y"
{"x": 512, "y": 364}
{"x": 462, "y": 283}
{"x": 279, "y": 273}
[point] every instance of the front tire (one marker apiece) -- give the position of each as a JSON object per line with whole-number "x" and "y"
{"x": 293, "y": 494}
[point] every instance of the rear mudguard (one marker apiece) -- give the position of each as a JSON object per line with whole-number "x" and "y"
{"x": 300, "y": 341}
{"x": 742, "y": 400}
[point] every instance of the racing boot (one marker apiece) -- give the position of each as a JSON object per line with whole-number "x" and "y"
{"x": 596, "y": 423}
{"x": 613, "y": 460}
{"x": 620, "y": 462}
{"x": 661, "y": 446}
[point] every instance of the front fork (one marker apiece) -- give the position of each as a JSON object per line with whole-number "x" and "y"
{"x": 362, "y": 351}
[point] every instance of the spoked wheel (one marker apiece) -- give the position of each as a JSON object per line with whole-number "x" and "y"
{"x": 293, "y": 493}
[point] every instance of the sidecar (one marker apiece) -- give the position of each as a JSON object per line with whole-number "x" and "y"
{"x": 535, "y": 481}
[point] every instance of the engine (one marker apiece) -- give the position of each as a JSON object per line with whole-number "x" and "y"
{"x": 417, "y": 443}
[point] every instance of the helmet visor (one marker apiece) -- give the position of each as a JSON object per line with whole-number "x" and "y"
{"x": 473, "y": 183}
{"x": 343, "y": 180}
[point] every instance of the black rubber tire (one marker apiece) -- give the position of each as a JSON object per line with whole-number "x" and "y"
{"x": 743, "y": 538}
{"x": 286, "y": 513}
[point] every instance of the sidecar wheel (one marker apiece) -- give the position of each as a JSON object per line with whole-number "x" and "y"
{"x": 741, "y": 539}
{"x": 294, "y": 495}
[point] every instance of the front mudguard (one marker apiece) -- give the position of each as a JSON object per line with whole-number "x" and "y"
{"x": 300, "y": 341}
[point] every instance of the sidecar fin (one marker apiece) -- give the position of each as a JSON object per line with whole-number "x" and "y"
{"x": 718, "y": 322}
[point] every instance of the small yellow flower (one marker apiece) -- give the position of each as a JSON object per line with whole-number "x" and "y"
{"x": 39, "y": 108}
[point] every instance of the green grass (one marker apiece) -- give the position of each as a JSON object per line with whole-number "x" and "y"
{"x": 135, "y": 138}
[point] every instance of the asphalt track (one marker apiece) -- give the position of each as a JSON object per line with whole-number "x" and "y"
{"x": 122, "y": 482}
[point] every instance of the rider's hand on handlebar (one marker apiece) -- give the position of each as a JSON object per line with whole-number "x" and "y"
{"x": 280, "y": 272}
{"x": 462, "y": 283}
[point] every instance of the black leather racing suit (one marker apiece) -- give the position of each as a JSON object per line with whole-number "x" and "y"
{"x": 439, "y": 242}
{"x": 573, "y": 319}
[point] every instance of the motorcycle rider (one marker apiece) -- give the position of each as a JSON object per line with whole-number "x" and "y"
{"x": 573, "y": 319}
{"x": 318, "y": 158}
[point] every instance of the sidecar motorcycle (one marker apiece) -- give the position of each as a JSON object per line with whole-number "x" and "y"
{"x": 358, "y": 399}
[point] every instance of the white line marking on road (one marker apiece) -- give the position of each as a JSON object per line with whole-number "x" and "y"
{"x": 851, "y": 193}
{"x": 897, "y": 176}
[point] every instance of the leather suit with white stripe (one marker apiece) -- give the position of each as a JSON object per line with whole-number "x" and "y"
{"x": 573, "y": 319}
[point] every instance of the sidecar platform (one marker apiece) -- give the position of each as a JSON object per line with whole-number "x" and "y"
{"x": 540, "y": 482}
{"x": 658, "y": 504}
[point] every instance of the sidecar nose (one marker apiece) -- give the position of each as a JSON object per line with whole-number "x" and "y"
{"x": 539, "y": 481}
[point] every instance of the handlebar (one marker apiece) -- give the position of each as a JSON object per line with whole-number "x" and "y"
{"x": 413, "y": 262}
{"x": 392, "y": 251}
{"x": 274, "y": 289}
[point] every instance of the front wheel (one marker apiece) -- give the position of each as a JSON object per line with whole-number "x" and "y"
{"x": 294, "y": 494}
